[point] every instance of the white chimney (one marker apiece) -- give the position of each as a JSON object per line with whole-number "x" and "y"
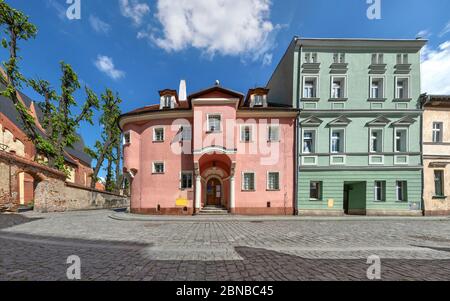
{"x": 182, "y": 93}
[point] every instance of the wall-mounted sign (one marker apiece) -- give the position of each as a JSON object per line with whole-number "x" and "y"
{"x": 330, "y": 203}
{"x": 182, "y": 203}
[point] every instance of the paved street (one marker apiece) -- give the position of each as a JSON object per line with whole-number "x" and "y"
{"x": 36, "y": 247}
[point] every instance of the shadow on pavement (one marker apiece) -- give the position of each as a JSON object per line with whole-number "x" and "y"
{"x": 31, "y": 257}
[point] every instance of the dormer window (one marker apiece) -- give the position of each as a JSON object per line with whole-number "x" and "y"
{"x": 257, "y": 97}
{"x": 259, "y": 101}
{"x": 167, "y": 101}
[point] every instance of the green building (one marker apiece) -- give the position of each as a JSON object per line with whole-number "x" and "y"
{"x": 359, "y": 132}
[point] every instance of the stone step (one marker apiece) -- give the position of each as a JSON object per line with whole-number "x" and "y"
{"x": 213, "y": 210}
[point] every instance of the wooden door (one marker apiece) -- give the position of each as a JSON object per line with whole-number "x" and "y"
{"x": 213, "y": 193}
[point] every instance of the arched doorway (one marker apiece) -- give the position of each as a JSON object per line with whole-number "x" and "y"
{"x": 214, "y": 192}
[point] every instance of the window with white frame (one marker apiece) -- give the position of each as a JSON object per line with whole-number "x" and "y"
{"x": 158, "y": 134}
{"x": 258, "y": 100}
{"x": 186, "y": 180}
{"x": 248, "y": 181}
{"x": 158, "y": 167}
{"x": 273, "y": 133}
{"x": 126, "y": 138}
{"x": 273, "y": 181}
{"x": 214, "y": 123}
{"x": 310, "y": 87}
{"x": 439, "y": 183}
{"x": 338, "y": 87}
{"x": 376, "y": 88}
{"x": 339, "y": 58}
{"x": 246, "y": 133}
{"x": 186, "y": 133}
{"x": 402, "y": 58}
{"x": 379, "y": 191}
{"x": 376, "y": 140}
{"x": 401, "y": 188}
{"x": 401, "y": 140}
{"x": 310, "y": 57}
{"x": 167, "y": 102}
{"x": 437, "y": 132}
{"x": 337, "y": 141}
{"x": 309, "y": 141}
{"x": 377, "y": 59}
{"x": 315, "y": 190}
{"x": 402, "y": 88}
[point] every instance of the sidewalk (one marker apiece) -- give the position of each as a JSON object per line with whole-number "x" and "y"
{"x": 123, "y": 216}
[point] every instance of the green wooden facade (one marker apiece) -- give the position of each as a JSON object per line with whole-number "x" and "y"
{"x": 359, "y": 131}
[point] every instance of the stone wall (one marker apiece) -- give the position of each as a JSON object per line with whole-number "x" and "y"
{"x": 52, "y": 193}
{"x": 60, "y": 197}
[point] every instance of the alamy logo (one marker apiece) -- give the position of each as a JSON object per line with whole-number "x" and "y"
{"x": 74, "y": 270}
{"x": 74, "y": 10}
{"x": 374, "y": 270}
{"x": 374, "y": 10}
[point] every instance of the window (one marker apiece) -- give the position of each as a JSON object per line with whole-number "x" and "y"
{"x": 402, "y": 59}
{"x": 338, "y": 87}
{"x": 167, "y": 102}
{"x": 186, "y": 133}
{"x": 274, "y": 133}
{"x": 377, "y": 59}
{"x": 158, "y": 134}
{"x": 273, "y": 181}
{"x": 379, "y": 189}
{"x": 437, "y": 132}
{"x": 186, "y": 180}
{"x": 158, "y": 167}
{"x": 214, "y": 123}
{"x": 402, "y": 88}
{"x": 439, "y": 183}
{"x": 401, "y": 191}
{"x": 377, "y": 88}
{"x": 401, "y": 140}
{"x": 310, "y": 87}
{"x": 258, "y": 102}
{"x": 339, "y": 58}
{"x": 315, "y": 191}
{"x": 376, "y": 140}
{"x": 337, "y": 141}
{"x": 310, "y": 58}
{"x": 309, "y": 141}
{"x": 127, "y": 138}
{"x": 246, "y": 133}
{"x": 248, "y": 181}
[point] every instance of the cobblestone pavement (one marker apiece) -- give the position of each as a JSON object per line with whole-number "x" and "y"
{"x": 36, "y": 247}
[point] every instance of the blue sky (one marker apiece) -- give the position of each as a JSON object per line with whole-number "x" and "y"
{"x": 137, "y": 47}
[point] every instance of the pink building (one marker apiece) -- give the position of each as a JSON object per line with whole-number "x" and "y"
{"x": 215, "y": 149}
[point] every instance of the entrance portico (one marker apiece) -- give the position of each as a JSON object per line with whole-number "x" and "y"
{"x": 215, "y": 180}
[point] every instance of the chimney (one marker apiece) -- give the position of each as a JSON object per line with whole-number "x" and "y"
{"x": 182, "y": 93}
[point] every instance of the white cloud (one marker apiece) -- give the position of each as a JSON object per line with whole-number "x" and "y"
{"x": 60, "y": 9}
{"x": 445, "y": 30}
{"x": 134, "y": 10}
{"x": 106, "y": 65}
{"x": 231, "y": 27}
{"x": 98, "y": 25}
{"x": 436, "y": 69}
{"x": 425, "y": 34}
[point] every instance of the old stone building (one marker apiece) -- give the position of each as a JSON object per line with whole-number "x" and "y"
{"x": 13, "y": 140}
